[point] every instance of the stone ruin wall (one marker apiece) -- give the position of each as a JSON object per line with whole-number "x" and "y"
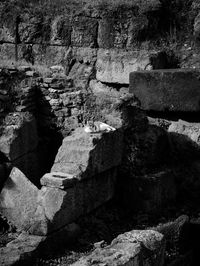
{"x": 160, "y": 165}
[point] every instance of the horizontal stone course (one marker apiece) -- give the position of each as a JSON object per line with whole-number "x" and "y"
{"x": 114, "y": 66}
{"x": 174, "y": 90}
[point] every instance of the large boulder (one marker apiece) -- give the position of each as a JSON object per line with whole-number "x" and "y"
{"x": 132, "y": 248}
{"x": 58, "y": 207}
{"x": 90, "y": 154}
{"x": 174, "y": 90}
{"x": 114, "y": 66}
{"x": 18, "y": 200}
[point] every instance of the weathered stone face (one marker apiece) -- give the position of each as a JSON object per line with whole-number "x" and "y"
{"x": 167, "y": 90}
{"x": 190, "y": 130}
{"x": 60, "y": 207}
{"x": 94, "y": 153}
{"x": 114, "y": 66}
{"x": 129, "y": 249}
{"x": 61, "y": 31}
{"x": 18, "y": 139}
{"x": 18, "y": 200}
{"x": 84, "y": 32}
{"x": 26, "y": 248}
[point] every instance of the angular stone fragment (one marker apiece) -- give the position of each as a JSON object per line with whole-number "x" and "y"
{"x": 57, "y": 207}
{"x": 114, "y": 66}
{"x": 132, "y": 248}
{"x": 93, "y": 153}
{"x": 174, "y": 90}
{"x": 58, "y": 180}
{"x": 18, "y": 200}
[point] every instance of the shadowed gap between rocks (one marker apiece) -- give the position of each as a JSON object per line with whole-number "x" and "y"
{"x": 175, "y": 116}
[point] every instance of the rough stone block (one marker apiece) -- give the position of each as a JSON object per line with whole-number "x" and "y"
{"x": 19, "y": 137}
{"x": 133, "y": 248}
{"x": 174, "y": 90}
{"x": 60, "y": 207}
{"x": 94, "y": 153}
{"x": 84, "y": 32}
{"x": 18, "y": 200}
{"x": 114, "y": 66}
{"x": 114, "y": 32}
{"x": 61, "y": 31}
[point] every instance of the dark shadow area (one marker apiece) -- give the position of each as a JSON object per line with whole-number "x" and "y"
{"x": 175, "y": 116}
{"x": 50, "y": 136}
{"x": 164, "y": 60}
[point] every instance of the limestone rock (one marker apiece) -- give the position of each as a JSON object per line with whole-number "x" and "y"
{"x": 22, "y": 250}
{"x": 191, "y": 130}
{"x": 81, "y": 73}
{"x": 174, "y": 90}
{"x": 185, "y": 140}
{"x": 84, "y": 32}
{"x": 61, "y": 31}
{"x": 26, "y": 248}
{"x": 129, "y": 249}
{"x": 6, "y": 35}
{"x": 58, "y": 180}
{"x": 19, "y": 136}
{"x": 57, "y": 207}
{"x": 94, "y": 153}
{"x": 18, "y": 200}
{"x": 114, "y": 66}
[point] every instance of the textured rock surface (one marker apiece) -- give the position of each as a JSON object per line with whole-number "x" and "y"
{"x": 26, "y": 248}
{"x": 92, "y": 153}
{"x": 18, "y": 200}
{"x": 190, "y": 130}
{"x": 21, "y": 251}
{"x": 167, "y": 90}
{"x": 129, "y": 249}
{"x": 60, "y": 207}
{"x": 18, "y": 138}
{"x": 184, "y": 138}
{"x": 58, "y": 180}
{"x": 114, "y": 66}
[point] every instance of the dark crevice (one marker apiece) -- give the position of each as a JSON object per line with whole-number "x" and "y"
{"x": 175, "y": 116}
{"x": 164, "y": 60}
{"x": 116, "y": 86}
